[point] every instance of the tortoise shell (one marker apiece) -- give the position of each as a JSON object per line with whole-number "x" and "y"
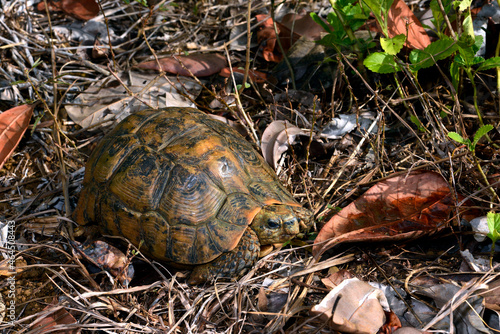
{"x": 180, "y": 183}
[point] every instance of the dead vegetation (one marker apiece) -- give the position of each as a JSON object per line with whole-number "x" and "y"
{"x": 52, "y": 58}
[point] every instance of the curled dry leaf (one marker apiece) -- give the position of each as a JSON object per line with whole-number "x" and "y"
{"x": 290, "y": 29}
{"x": 392, "y": 323}
{"x": 348, "y": 307}
{"x": 401, "y": 20}
{"x": 276, "y": 139}
{"x": 334, "y": 279}
{"x": 79, "y": 9}
{"x": 266, "y": 37}
{"x": 106, "y": 257}
{"x": 397, "y": 208}
{"x": 13, "y": 124}
{"x": 200, "y": 65}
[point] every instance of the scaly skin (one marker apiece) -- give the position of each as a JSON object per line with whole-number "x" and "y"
{"x": 274, "y": 224}
{"x": 231, "y": 264}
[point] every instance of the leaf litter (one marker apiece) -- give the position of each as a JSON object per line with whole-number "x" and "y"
{"x": 86, "y": 81}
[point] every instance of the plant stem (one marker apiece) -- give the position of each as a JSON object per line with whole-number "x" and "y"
{"x": 474, "y": 88}
{"x": 497, "y": 52}
{"x": 485, "y": 179}
{"x": 352, "y": 37}
{"x": 285, "y": 58}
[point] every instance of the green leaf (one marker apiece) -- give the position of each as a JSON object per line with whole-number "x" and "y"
{"x": 493, "y": 220}
{"x": 376, "y": 8}
{"x": 435, "y": 51}
{"x": 481, "y": 132}
{"x": 380, "y": 62}
{"x": 336, "y": 23}
{"x": 456, "y": 137}
{"x": 319, "y": 21}
{"x": 489, "y": 64}
{"x": 393, "y": 45}
{"x": 463, "y": 5}
{"x": 438, "y": 20}
{"x": 37, "y": 62}
{"x": 417, "y": 122}
{"x": 468, "y": 27}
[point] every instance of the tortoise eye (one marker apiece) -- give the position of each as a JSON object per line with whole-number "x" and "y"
{"x": 273, "y": 223}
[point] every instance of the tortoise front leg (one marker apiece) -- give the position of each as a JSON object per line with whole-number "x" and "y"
{"x": 231, "y": 264}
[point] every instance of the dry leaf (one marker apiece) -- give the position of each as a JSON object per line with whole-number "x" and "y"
{"x": 303, "y": 25}
{"x": 276, "y": 139}
{"x": 409, "y": 330}
{"x": 348, "y": 307}
{"x": 106, "y": 257}
{"x": 401, "y": 20}
{"x": 13, "y": 124}
{"x": 80, "y": 9}
{"x": 392, "y": 323}
{"x": 262, "y": 300}
{"x": 200, "y": 65}
{"x": 397, "y": 208}
{"x": 290, "y": 29}
{"x": 255, "y": 76}
{"x": 108, "y": 101}
{"x": 266, "y": 38}
{"x": 492, "y": 296}
{"x": 58, "y": 317}
{"x": 334, "y": 279}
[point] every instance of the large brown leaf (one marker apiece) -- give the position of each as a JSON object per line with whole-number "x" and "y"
{"x": 13, "y": 124}
{"x": 398, "y": 208}
{"x": 59, "y": 317}
{"x": 80, "y": 9}
{"x": 401, "y": 20}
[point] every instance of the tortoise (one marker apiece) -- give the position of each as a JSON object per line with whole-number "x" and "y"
{"x": 190, "y": 190}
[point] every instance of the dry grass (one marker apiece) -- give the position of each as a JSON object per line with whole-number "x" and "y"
{"x": 39, "y": 185}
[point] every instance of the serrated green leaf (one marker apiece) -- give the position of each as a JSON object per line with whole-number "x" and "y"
{"x": 434, "y": 52}
{"x": 393, "y": 45}
{"x": 380, "y": 62}
{"x": 490, "y": 63}
{"x": 481, "y": 132}
{"x": 456, "y": 137}
{"x": 493, "y": 220}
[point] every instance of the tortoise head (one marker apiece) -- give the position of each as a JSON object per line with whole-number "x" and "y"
{"x": 278, "y": 223}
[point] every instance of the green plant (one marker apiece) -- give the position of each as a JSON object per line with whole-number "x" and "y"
{"x": 493, "y": 220}
{"x": 471, "y": 145}
{"x": 347, "y": 16}
{"x": 142, "y": 2}
{"x": 414, "y": 119}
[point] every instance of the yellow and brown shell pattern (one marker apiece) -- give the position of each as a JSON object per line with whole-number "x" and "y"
{"x": 184, "y": 184}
